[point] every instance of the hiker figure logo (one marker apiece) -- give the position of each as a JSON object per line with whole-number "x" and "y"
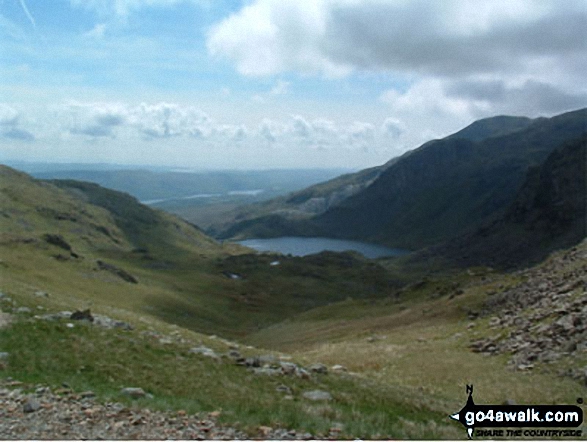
{"x": 474, "y": 416}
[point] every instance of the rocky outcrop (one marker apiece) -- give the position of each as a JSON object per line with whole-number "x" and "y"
{"x": 544, "y": 318}
{"x": 123, "y": 274}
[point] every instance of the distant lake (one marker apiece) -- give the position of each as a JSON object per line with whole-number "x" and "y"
{"x": 300, "y": 246}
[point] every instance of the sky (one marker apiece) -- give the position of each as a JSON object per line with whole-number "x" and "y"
{"x": 259, "y": 84}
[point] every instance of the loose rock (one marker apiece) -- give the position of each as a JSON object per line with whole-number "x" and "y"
{"x": 133, "y": 392}
{"x": 317, "y": 395}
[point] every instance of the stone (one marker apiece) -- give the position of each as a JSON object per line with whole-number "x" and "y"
{"x": 30, "y": 406}
{"x": 133, "y": 392}
{"x": 82, "y": 315}
{"x": 23, "y": 310}
{"x": 253, "y": 362}
{"x": 303, "y": 374}
{"x": 267, "y": 371}
{"x": 339, "y": 368}
{"x": 4, "y": 356}
{"x": 41, "y": 294}
{"x": 318, "y": 368}
{"x": 204, "y": 351}
{"x": 283, "y": 389}
{"x": 234, "y": 354}
{"x": 288, "y": 368}
{"x": 317, "y": 395}
{"x": 267, "y": 359}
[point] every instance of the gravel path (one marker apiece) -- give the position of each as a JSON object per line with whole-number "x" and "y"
{"x": 62, "y": 414}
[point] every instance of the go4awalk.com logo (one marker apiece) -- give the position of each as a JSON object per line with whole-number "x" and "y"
{"x": 536, "y": 420}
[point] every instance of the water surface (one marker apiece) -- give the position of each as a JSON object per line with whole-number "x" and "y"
{"x": 301, "y": 246}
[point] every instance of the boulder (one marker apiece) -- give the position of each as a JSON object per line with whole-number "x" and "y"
{"x": 267, "y": 371}
{"x": 82, "y": 315}
{"x": 204, "y": 351}
{"x": 288, "y": 368}
{"x": 317, "y": 395}
{"x": 133, "y": 392}
{"x": 318, "y": 368}
{"x": 30, "y": 406}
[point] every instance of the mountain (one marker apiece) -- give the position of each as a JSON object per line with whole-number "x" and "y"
{"x": 492, "y": 127}
{"x": 548, "y": 213}
{"x": 441, "y": 190}
{"x": 267, "y": 217}
{"x": 302, "y": 204}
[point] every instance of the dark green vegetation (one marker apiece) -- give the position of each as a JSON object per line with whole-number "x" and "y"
{"x": 439, "y": 191}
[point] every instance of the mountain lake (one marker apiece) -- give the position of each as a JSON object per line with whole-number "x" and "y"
{"x": 301, "y": 246}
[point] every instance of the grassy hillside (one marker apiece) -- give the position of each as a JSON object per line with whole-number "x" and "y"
{"x": 403, "y": 339}
{"x": 421, "y": 337}
{"x": 88, "y": 245}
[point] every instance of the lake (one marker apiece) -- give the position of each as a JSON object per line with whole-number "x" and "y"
{"x": 300, "y": 246}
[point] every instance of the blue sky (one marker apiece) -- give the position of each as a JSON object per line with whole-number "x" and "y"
{"x": 275, "y": 83}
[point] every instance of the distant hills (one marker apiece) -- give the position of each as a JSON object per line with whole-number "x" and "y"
{"x": 442, "y": 190}
{"x": 159, "y": 186}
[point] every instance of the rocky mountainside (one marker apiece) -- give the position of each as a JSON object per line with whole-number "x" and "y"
{"x": 262, "y": 219}
{"x": 441, "y": 190}
{"x": 448, "y": 187}
{"x": 546, "y": 315}
{"x": 548, "y": 213}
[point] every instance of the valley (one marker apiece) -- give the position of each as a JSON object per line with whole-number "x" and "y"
{"x": 100, "y": 294}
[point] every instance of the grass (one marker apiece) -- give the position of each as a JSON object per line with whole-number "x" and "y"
{"x": 419, "y": 341}
{"x": 87, "y": 357}
{"x": 403, "y": 332}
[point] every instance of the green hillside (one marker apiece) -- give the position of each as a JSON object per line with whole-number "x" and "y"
{"x": 398, "y": 345}
{"x": 67, "y": 233}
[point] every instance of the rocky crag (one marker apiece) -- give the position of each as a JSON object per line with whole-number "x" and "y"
{"x": 543, "y": 319}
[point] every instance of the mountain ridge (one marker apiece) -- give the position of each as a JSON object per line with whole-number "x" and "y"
{"x": 443, "y": 189}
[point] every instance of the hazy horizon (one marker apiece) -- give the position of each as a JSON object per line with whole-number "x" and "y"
{"x": 268, "y": 84}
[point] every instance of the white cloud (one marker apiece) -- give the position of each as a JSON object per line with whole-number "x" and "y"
{"x": 439, "y": 38}
{"x": 8, "y": 115}
{"x": 10, "y": 125}
{"x": 281, "y": 88}
{"x": 421, "y": 42}
{"x": 301, "y": 127}
{"x": 28, "y": 13}
{"x": 268, "y": 37}
{"x": 97, "y": 31}
{"x": 393, "y": 128}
